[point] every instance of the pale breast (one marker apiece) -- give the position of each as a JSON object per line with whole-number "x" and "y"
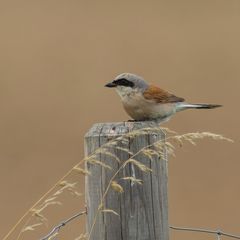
{"x": 139, "y": 108}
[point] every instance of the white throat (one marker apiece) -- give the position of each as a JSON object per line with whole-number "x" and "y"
{"x": 123, "y": 91}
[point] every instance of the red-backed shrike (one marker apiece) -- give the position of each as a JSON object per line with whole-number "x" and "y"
{"x": 143, "y": 101}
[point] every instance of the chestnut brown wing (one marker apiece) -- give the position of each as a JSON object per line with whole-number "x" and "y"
{"x": 161, "y": 96}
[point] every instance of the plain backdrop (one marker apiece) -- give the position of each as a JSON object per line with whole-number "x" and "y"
{"x": 56, "y": 56}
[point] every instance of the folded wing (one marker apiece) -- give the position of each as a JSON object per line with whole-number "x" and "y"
{"x": 161, "y": 96}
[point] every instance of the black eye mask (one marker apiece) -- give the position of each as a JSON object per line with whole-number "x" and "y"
{"x": 123, "y": 82}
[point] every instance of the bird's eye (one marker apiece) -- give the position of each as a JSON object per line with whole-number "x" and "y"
{"x": 124, "y": 82}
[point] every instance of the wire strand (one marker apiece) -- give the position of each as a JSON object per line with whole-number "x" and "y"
{"x": 57, "y": 228}
{"x": 202, "y": 230}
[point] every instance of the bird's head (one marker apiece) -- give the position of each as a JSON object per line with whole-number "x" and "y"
{"x": 126, "y": 83}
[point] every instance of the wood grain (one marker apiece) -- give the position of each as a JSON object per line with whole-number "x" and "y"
{"x": 142, "y": 209}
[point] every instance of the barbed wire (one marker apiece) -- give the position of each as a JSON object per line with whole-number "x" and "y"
{"x": 219, "y": 233}
{"x": 57, "y": 228}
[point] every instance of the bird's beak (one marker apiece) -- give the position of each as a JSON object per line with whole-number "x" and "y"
{"x": 111, "y": 85}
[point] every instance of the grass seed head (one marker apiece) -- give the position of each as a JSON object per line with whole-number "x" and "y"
{"x": 116, "y": 187}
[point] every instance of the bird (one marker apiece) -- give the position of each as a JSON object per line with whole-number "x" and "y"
{"x": 145, "y": 102}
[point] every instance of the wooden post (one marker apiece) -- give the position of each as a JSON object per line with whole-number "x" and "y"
{"x": 142, "y": 209}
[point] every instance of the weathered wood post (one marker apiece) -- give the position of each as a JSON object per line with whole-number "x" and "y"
{"x": 142, "y": 209}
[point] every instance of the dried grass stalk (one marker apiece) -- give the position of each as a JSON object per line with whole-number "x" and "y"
{"x": 110, "y": 211}
{"x": 97, "y": 162}
{"x": 141, "y": 166}
{"x": 133, "y": 179}
{"x": 31, "y": 227}
{"x": 81, "y": 171}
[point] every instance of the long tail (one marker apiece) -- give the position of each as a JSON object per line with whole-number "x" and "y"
{"x": 183, "y": 106}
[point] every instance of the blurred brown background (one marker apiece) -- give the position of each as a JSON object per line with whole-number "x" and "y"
{"x": 57, "y": 55}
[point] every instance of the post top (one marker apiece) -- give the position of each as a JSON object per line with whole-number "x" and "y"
{"x": 118, "y": 128}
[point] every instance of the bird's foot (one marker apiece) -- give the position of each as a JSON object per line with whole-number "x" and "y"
{"x": 132, "y": 120}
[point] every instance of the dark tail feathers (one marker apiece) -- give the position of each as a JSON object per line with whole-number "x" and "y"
{"x": 206, "y": 106}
